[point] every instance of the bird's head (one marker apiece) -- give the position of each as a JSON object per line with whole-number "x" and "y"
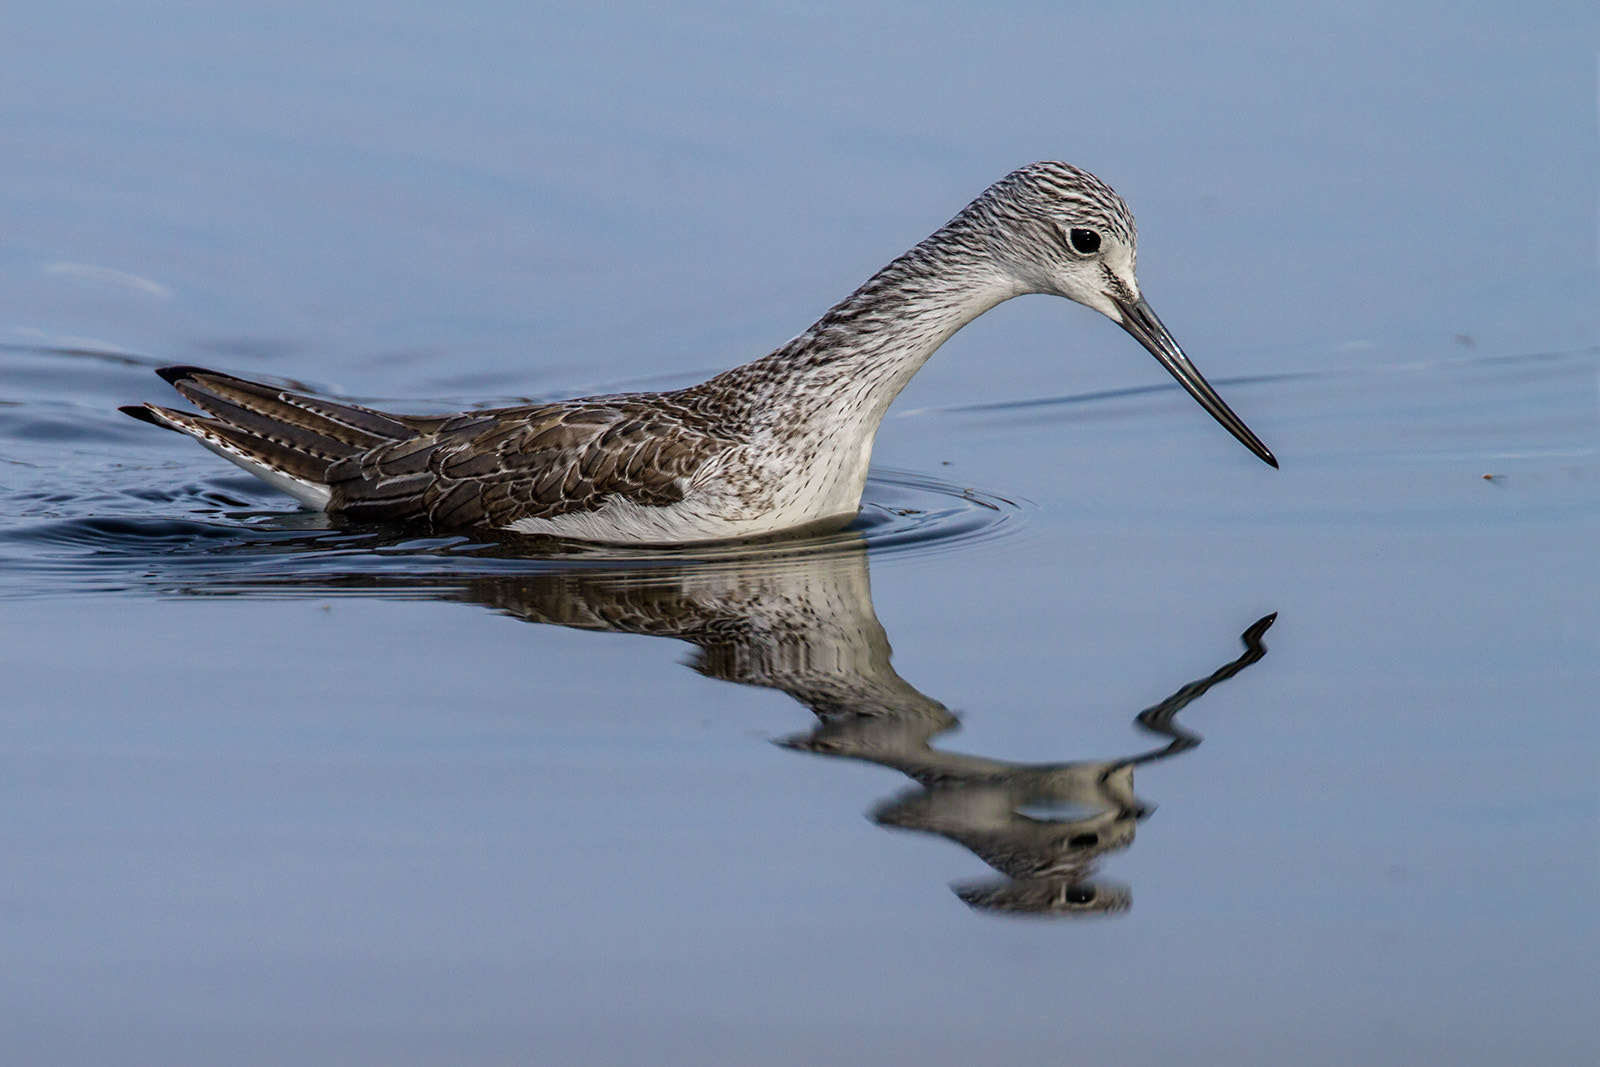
{"x": 1056, "y": 229}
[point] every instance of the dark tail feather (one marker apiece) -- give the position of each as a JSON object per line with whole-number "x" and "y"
{"x": 144, "y": 414}
{"x": 300, "y": 435}
{"x": 343, "y": 429}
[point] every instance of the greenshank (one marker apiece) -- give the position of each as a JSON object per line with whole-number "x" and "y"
{"x": 779, "y": 444}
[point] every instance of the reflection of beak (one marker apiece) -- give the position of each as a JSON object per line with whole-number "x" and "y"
{"x": 1139, "y": 320}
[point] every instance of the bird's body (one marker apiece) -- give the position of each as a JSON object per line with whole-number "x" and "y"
{"x": 781, "y": 443}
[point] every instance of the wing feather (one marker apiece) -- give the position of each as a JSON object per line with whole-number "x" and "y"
{"x": 476, "y": 468}
{"x": 517, "y": 463}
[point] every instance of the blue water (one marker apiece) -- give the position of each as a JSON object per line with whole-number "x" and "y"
{"x": 274, "y": 789}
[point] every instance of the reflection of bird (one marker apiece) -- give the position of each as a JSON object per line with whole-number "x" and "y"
{"x": 798, "y": 617}
{"x": 777, "y": 444}
{"x": 805, "y": 625}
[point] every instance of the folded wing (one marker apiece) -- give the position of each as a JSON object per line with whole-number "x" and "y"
{"x": 480, "y": 468}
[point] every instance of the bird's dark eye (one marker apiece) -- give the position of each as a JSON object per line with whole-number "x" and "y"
{"x": 1084, "y": 242}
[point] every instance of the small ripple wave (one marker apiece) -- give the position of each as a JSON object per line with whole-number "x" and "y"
{"x": 903, "y": 513}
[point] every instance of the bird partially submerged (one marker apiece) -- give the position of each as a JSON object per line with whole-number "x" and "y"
{"x": 777, "y": 444}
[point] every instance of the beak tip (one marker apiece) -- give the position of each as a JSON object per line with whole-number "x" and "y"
{"x": 1140, "y": 321}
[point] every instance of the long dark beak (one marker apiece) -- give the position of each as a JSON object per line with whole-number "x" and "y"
{"x": 1139, "y": 320}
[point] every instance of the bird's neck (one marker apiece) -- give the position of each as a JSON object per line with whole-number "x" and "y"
{"x": 868, "y": 346}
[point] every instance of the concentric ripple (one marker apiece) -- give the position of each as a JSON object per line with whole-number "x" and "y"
{"x": 239, "y": 547}
{"x": 91, "y": 501}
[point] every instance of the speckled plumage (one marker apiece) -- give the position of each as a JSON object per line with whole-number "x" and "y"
{"x": 779, "y": 443}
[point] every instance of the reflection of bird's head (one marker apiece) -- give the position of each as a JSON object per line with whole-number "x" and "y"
{"x": 1008, "y": 829}
{"x": 1047, "y": 896}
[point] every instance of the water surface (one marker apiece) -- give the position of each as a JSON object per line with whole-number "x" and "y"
{"x": 279, "y": 789}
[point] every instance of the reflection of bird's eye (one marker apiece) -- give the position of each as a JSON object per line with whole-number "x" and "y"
{"x": 1083, "y": 840}
{"x": 1080, "y": 894}
{"x": 1084, "y": 242}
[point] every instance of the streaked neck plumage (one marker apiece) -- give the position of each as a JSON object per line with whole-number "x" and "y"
{"x": 852, "y": 363}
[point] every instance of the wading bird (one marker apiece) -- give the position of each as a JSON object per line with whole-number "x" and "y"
{"x": 779, "y": 444}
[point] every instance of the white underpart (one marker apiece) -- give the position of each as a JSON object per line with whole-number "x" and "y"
{"x": 619, "y": 521}
{"x": 702, "y": 515}
{"x": 308, "y": 493}
{"x": 706, "y": 513}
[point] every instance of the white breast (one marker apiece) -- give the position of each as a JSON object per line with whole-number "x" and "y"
{"x": 774, "y": 483}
